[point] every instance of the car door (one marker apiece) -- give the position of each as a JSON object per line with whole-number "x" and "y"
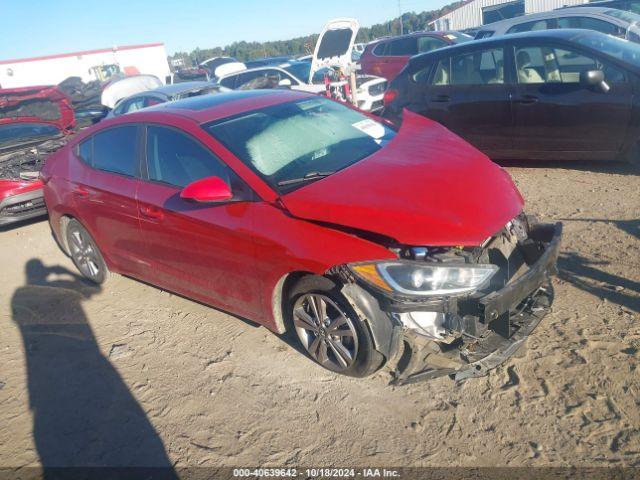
{"x": 397, "y": 54}
{"x": 203, "y": 251}
{"x": 555, "y": 114}
{"x": 104, "y": 193}
{"x": 469, "y": 94}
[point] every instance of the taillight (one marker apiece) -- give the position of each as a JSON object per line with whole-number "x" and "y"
{"x": 389, "y": 96}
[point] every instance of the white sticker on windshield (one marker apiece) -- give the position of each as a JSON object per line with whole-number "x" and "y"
{"x": 450, "y": 37}
{"x": 370, "y": 127}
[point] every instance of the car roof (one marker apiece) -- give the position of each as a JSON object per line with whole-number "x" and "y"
{"x": 177, "y": 88}
{"x": 430, "y": 33}
{"x": 561, "y": 12}
{"x": 207, "y": 108}
{"x": 561, "y": 33}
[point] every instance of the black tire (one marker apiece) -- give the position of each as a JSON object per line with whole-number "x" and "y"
{"x": 366, "y": 359}
{"x": 85, "y": 253}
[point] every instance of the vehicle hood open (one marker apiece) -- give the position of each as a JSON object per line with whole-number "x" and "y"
{"x": 334, "y": 45}
{"x": 426, "y": 187}
{"x": 42, "y": 104}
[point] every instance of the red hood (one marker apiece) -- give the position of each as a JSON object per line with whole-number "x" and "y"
{"x": 426, "y": 187}
{"x": 13, "y": 97}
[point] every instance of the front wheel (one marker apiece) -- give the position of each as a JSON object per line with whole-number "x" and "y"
{"x": 329, "y": 330}
{"x": 85, "y": 253}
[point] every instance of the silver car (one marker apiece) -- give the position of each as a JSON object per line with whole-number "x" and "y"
{"x": 614, "y": 22}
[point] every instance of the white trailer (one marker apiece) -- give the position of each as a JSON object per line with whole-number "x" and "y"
{"x": 150, "y": 59}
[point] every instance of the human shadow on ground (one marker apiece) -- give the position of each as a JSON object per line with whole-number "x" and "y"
{"x": 83, "y": 412}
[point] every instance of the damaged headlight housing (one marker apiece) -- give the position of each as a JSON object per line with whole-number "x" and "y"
{"x": 416, "y": 278}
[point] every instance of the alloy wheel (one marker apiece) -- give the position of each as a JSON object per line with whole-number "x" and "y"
{"x": 84, "y": 254}
{"x": 326, "y": 332}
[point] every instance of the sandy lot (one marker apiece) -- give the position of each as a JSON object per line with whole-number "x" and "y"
{"x": 133, "y": 375}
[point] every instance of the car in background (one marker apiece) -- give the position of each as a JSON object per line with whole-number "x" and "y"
{"x": 168, "y": 93}
{"x": 34, "y": 122}
{"x": 386, "y": 57}
{"x": 369, "y": 93}
{"x": 122, "y": 87}
{"x": 369, "y": 245}
{"x": 219, "y": 66}
{"x": 601, "y": 19}
{"x": 548, "y": 95}
{"x": 266, "y": 62}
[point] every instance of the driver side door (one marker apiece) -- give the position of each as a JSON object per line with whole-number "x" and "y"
{"x": 201, "y": 250}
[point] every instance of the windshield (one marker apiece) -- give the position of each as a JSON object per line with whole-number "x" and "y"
{"x": 16, "y": 132}
{"x": 616, "y": 47}
{"x": 292, "y": 143}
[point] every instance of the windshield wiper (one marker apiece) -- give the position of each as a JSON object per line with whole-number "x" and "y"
{"x": 306, "y": 178}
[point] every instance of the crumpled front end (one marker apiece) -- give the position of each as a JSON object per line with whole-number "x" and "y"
{"x": 464, "y": 335}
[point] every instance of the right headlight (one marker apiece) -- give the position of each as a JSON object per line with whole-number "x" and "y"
{"x": 417, "y": 278}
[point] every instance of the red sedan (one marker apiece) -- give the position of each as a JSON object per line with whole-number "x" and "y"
{"x": 308, "y": 216}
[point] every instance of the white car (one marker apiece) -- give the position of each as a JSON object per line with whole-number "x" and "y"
{"x": 331, "y": 56}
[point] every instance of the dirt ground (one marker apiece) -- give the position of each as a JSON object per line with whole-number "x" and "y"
{"x": 132, "y": 375}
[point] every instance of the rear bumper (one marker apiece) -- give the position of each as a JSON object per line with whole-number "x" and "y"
{"x": 508, "y": 315}
{"x": 22, "y": 206}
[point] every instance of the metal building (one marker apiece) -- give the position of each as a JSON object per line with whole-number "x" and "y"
{"x": 476, "y": 13}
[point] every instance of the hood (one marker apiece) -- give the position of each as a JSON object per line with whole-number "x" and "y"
{"x": 426, "y": 187}
{"x": 334, "y": 45}
{"x": 44, "y": 104}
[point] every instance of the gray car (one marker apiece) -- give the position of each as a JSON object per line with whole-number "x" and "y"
{"x": 605, "y": 20}
{"x": 168, "y": 93}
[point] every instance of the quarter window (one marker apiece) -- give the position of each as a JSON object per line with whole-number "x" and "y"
{"x": 426, "y": 44}
{"x": 114, "y": 150}
{"x": 530, "y": 26}
{"x": 176, "y": 159}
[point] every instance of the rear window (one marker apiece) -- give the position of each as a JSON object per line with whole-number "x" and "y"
{"x": 530, "y": 26}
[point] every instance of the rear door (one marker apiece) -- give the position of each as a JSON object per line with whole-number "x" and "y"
{"x": 204, "y": 251}
{"x": 104, "y": 193}
{"x": 554, "y": 113}
{"x": 469, "y": 94}
{"x": 397, "y": 55}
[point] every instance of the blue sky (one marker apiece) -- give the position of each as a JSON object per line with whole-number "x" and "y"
{"x": 42, "y": 27}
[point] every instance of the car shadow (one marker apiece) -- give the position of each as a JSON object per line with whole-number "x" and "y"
{"x": 586, "y": 274}
{"x": 620, "y": 168}
{"x": 83, "y": 412}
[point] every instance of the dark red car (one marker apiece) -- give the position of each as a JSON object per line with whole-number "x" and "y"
{"x": 386, "y": 57}
{"x": 305, "y": 215}
{"x": 34, "y": 122}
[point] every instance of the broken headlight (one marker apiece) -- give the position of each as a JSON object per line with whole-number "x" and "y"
{"x": 417, "y": 278}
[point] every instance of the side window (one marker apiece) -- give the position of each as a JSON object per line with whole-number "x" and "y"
{"x": 229, "y": 82}
{"x": 426, "y": 44}
{"x": 530, "y": 26}
{"x": 150, "y": 101}
{"x": 478, "y": 68}
{"x": 176, "y": 159}
{"x": 589, "y": 24}
{"x": 403, "y": 46}
{"x": 114, "y": 150}
{"x": 443, "y": 72}
{"x": 422, "y": 74}
{"x": 380, "y": 49}
{"x": 258, "y": 80}
{"x": 558, "y": 65}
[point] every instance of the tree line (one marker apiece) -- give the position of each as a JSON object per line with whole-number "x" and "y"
{"x": 244, "y": 51}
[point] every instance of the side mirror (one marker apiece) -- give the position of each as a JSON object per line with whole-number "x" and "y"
{"x": 594, "y": 78}
{"x": 285, "y": 82}
{"x": 207, "y": 190}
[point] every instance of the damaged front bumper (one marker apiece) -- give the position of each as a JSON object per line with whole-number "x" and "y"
{"x": 483, "y": 330}
{"x": 20, "y": 201}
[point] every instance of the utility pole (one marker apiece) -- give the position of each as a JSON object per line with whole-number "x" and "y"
{"x": 400, "y": 12}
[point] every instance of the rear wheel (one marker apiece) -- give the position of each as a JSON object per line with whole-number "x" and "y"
{"x": 85, "y": 254}
{"x": 329, "y": 330}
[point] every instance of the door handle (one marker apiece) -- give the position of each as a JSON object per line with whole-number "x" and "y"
{"x": 81, "y": 192}
{"x": 441, "y": 99}
{"x": 527, "y": 99}
{"x": 151, "y": 212}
